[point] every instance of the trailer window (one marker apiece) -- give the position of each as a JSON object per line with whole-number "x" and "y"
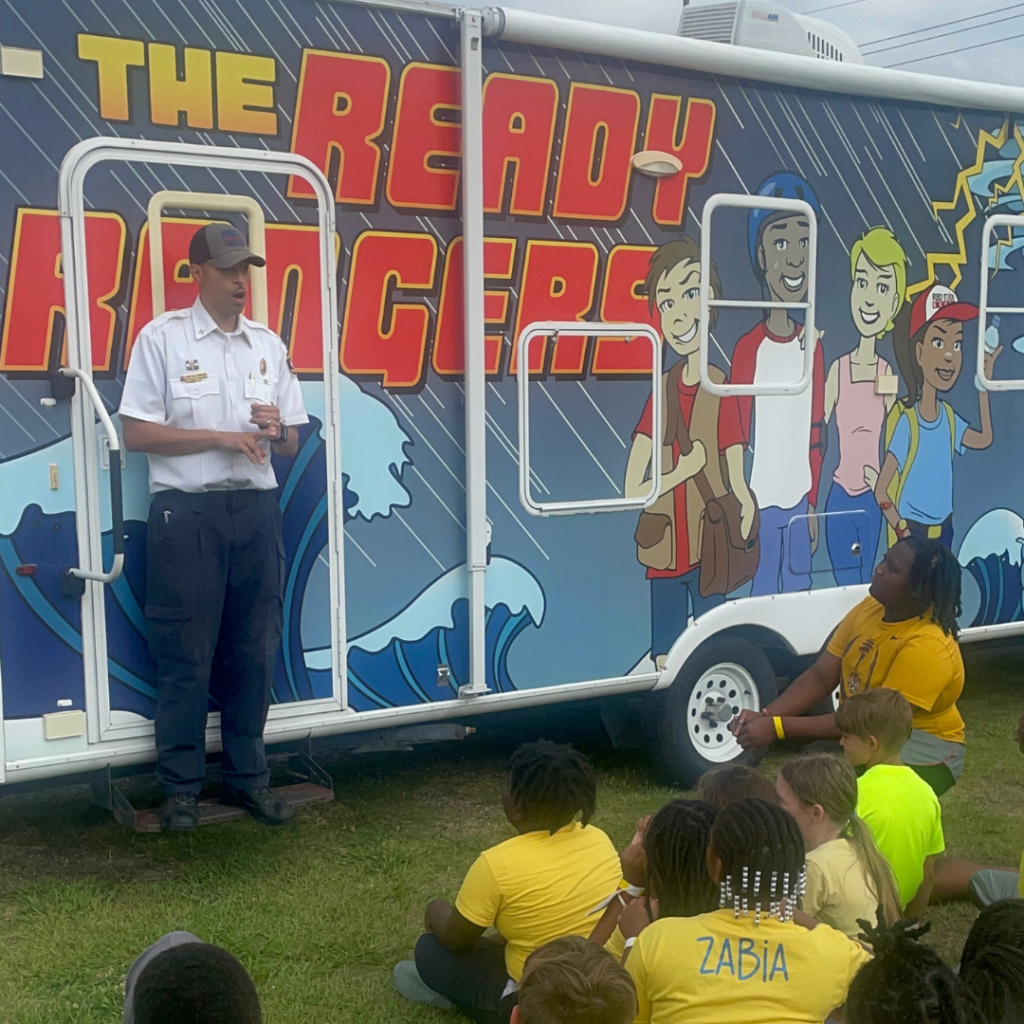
{"x": 1001, "y": 234}
{"x": 554, "y": 423}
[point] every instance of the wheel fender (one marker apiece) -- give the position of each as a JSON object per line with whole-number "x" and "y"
{"x": 802, "y": 621}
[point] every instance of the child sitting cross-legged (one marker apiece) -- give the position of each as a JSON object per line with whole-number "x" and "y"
{"x": 900, "y": 810}
{"x": 847, "y": 878}
{"x": 747, "y": 962}
{"x": 574, "y": 981}
{"x": 540, "y": 885}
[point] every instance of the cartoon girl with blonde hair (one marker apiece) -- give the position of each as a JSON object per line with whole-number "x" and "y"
{"x": 860, "y": 390}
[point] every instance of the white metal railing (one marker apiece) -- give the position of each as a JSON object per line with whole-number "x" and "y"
{"x": 257, "y": 225}
{"x": 552, "y": 329}
{"x": 744, "y": 202}
{"x": 984, "y": 309}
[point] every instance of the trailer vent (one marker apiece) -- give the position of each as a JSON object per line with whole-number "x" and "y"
{"x": 823, "y": 48}
{"x": 711, "y": 22}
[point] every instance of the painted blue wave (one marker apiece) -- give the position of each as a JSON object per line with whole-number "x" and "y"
{"x": 992, "y": 591}
{"x": 40, "y": 629}
{"x": 396, "y": 663}
{"x": 991, "y": 555}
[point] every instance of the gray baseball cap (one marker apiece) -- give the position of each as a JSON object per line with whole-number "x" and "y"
{"x": 223, "y": 245}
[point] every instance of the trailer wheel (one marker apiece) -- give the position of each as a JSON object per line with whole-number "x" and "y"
{"x": 691, "y": 718}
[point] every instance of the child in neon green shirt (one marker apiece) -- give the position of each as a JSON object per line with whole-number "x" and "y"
{"x": 900, "y": 810}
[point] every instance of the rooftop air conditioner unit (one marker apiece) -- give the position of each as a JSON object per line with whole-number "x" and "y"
{"x": 767, "y": 26}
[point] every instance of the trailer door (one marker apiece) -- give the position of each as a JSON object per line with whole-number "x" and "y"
{"x": 110, "y": 574}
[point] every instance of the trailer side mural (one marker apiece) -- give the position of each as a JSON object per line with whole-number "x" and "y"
{"x": 371, "y": 95}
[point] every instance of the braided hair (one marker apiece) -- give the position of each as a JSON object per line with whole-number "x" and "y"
{"x": 550, "y": 783}
{"x": 999, "y": 924}
{"x": 995, "y": 980}
{"x": 935, "y": 577}
{"x": 676, "y": 846}
{"x": 905, "y": 982}
{"x": 762, "y": 854}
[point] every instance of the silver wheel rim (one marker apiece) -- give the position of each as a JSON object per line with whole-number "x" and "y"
{"x": 721, "y": 693}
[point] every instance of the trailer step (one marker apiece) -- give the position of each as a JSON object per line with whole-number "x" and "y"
{"x": 315, "y": 787}
{"x": 212, "y": 812}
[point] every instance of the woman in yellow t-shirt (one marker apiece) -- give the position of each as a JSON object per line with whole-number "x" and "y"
{"x": 540, "y": 885}
{"x": 747, "y": 962}
{"x": 903, "y": 635}
{"x": 847, "y": 876}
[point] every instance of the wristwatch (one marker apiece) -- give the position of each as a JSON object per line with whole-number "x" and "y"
{"x": 282, "y": 437}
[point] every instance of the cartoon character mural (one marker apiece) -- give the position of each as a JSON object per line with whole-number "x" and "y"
{"x": 788, "y": 430}
{"x": 857, "y": 391}
{"x": 702, "y": 455}
{"x": 915, "y": 486}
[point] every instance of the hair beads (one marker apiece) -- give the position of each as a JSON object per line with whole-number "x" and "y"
{"x": 762, "y": 855}
{"x": 780, "y": 904}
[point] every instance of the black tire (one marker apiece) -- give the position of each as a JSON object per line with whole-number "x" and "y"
{"x": 674, "y": 727}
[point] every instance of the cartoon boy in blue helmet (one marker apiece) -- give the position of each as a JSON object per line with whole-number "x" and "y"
{"x": 787, "y": 429}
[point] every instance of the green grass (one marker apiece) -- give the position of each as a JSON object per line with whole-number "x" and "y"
{"x": 320, "y": 911}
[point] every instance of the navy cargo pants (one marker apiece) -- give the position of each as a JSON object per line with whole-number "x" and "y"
{"x": 214, "y": 581}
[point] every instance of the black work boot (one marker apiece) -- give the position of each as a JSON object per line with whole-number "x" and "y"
{"x": 261, "y": 804}
{"x": 180, "y": 813}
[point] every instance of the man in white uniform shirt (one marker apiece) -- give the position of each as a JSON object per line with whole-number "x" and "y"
{"x": 207, "y": 395}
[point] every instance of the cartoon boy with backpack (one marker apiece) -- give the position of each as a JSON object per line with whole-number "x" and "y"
{"x": 915, "y": 485}
{"x": 699, "y": 539}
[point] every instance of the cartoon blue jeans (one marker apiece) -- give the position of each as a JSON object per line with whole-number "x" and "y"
{"x": 672, "y": 599}
{"x": 785, "y": 564}
{"x": 853, "y": 523}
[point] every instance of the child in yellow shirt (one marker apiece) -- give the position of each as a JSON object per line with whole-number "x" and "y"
{"x": 538, "y": 886}
{"x": 666, "y": 862}
{"x": 747, "y": 962}
{"x": 847, "y": 878}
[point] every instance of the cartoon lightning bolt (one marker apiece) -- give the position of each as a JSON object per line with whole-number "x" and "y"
{"x": 1014, "y": 181}
{"x": 956, "y": 260}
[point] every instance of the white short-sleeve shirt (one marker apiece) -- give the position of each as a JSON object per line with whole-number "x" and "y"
{"x": 186, "y": 372}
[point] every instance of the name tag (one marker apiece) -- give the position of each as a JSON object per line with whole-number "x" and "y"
{"x": 193, "y": 378}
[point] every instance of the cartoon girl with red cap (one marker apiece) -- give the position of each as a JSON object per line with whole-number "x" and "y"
{"x": 915, "y": 485}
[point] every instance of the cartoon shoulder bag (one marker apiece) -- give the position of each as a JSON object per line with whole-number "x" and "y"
{"x": 655, "y": 534}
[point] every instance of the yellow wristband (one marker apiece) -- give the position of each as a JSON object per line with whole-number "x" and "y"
{"x": 779, "y": 731}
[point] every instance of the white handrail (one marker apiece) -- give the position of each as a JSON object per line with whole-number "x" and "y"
{"x": 575, "y": 328}
{"x": 997, "y": 220}
{"x": 116, "y": 509}
{"x": 257, "y": 225}
{"x": 745, "y": 202}
{"x": 77, "y": 163}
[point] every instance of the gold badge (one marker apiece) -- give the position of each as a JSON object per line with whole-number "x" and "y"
{"x": 263, "y": 367}
{"x": 193, "y": 378}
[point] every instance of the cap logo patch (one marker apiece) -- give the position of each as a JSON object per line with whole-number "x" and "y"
{"x": 231, "y": 237}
